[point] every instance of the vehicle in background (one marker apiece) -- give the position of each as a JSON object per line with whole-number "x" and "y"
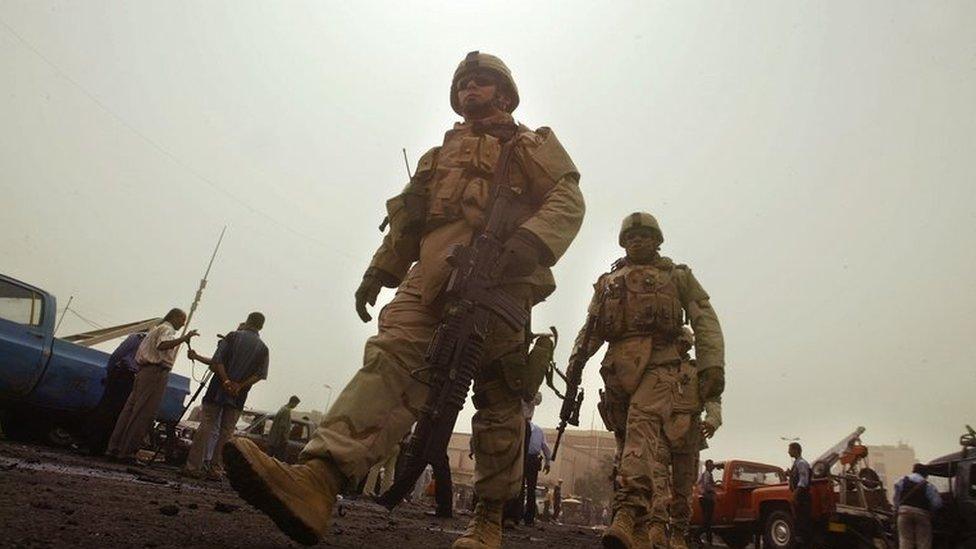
{"x": 47, "y": 383}
{"x": 753, "y": 502}
{"x": 955, "y": 476}
{"x": 301, "y": 431}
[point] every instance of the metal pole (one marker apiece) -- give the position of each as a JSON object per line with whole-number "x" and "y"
{"x": 203, "y": 282}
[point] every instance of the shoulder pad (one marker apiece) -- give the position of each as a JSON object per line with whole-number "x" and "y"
{"x": 664, "y": 263}
{"x": 620, "y": 263}
{"x": 427, "y": 162}
{"x": 682, "y": 266}
{"x": 542, "y": 148}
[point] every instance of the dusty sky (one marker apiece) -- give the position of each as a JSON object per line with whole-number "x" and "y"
{"x": 812, "y": 162}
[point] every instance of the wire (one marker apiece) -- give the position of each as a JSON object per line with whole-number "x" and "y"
{"x": 162, "y": 150}
{"x": 91, "y": 323}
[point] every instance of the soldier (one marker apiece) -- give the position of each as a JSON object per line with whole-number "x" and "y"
{"x": 684, "y": 433}
{"x": 443, "y": 205}
{"x": 639, "y": 308}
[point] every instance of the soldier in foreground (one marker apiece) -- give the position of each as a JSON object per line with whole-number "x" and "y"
{"x": 639, "y": 308}
{"x": 443, "y": 205}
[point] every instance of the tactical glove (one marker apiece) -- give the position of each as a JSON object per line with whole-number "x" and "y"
{"x": 711, "y": 383}
{"x": 369, "y": 289}
{"x": 522, "y": 254}
{"x": 713, "y": 418}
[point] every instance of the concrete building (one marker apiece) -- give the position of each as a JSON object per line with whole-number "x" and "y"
{"x": 891, "y": 463}
{"x": 581, "y": 452}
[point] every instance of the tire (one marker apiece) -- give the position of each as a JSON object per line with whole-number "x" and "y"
{"x": 735, "y": 539}
{"x": 19, "y": 427}
{"x": 779, "y": 532}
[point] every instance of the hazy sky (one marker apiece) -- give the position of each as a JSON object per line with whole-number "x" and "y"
{"x": 812, "y": 162}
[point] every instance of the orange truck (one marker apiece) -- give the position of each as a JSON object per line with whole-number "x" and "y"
{"x": 753, "y": 502}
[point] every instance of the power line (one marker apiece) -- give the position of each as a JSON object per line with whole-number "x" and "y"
{"x": 162, "y": 150}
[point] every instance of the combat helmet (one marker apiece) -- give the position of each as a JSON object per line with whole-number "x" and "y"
{"x": 477, "y": 60}
{"x": 637, "y": 220}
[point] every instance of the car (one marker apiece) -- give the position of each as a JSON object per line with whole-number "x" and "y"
{"x": 301, "y": 431}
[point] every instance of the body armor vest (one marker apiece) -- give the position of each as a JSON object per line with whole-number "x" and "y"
{"x": 642, "y": 300}
{"x": 460, "y": 182}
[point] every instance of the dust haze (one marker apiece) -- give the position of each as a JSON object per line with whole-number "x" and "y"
{"x": 812, "y": 162}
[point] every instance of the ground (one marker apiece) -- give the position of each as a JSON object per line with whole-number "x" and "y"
{"x": 53, "y": 498}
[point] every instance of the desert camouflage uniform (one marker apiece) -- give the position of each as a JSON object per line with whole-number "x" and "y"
{"x": 683, "y": 434}
{"x": 443, "y": 205}
{"x": 640, "y": 310}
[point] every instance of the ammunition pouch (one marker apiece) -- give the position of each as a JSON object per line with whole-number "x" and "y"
{"x": 406, "y": 213}
{"x": 523, "y": 375}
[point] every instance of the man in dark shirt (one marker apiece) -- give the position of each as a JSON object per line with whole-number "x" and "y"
{"x": 119, "y": 375}
{"x": 241, "y": 361}
{"x": 800, "y": 477}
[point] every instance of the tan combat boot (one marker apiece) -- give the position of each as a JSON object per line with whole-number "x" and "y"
{"x": 620, "y": 533}
{"x": 657, "y": 536}
{"x": 641, "y": 541}
{"x": 485, "y": 529}
{"x": 298, "y": 498}
{"x": 679, "y": 538}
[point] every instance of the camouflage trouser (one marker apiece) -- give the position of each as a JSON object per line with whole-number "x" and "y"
{"x": 685, "y": 446}
{"x": 382, "y": 401}
{"x": 643, "y": 450}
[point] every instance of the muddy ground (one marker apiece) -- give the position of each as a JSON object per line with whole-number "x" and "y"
{"x": 54, "y": 498}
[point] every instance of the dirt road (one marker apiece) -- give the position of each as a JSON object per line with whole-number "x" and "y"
{"x": 51, "y": 498}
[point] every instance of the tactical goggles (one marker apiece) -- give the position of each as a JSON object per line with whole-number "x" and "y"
{"x": 479, "y": 79}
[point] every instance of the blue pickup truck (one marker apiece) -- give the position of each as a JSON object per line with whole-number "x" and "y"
{"x": 47, "y": 384}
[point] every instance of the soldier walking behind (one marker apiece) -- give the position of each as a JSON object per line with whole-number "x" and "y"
{"x": 639, "y": 308}
{"x": 444, "y": 204}
{"x": 685, "y": 435}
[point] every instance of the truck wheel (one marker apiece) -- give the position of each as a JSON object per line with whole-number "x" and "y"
{"x": 18, "y": 427}
{"x": 780, "y": 530}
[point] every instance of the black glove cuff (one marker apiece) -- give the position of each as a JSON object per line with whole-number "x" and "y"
{"x": 384, "y": 278}
{"x": 546, "y": 259}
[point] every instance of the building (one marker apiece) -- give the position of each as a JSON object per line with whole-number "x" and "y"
{"x": 581, "y": 453}
{"x": 891, "y": 463}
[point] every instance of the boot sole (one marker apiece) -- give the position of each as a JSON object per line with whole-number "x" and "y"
{"x": 613, "y": 542}
{"x": 252, "y": 489}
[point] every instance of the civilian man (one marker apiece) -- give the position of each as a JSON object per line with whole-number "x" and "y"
{"x": 280, "y": 429}
{"x": 706, "y": 497}
{"x": 800, "y": 477}
{"x": 155, "y": 358}
{"x": 915, "y": 502}
{"x": 241, "y": 361}
{"x": 119, "y": 376}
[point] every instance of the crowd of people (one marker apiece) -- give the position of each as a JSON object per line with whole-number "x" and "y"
{"x": 136, "y": 379}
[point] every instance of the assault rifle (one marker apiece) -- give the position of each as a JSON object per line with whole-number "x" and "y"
{"x": 457, "y": 349}
{"x": 573, "y": 399}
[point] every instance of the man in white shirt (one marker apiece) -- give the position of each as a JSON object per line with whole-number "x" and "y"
{"x": 155, "y": 358}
